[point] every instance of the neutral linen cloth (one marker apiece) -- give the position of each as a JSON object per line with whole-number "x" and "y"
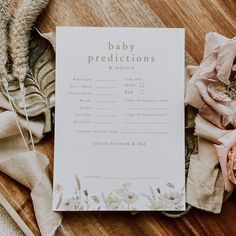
{"x": 205, "y": 184}
{"x": 29, "y": 168}
{"x": 203, "y": 90}
{"x": 209, "y": 173}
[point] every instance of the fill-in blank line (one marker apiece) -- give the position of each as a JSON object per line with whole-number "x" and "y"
{"x": 109, "y": 80}
{"x": 161, "y": 109}
{"x": 137, "y": 132}
{"x": 107, "y": 101}
{"x": 105, "y": 108}
{"x": 105, "y": 115}
{"x": 141, "y": 178}
{"x": 133, "y": 122}
{"x": 105, "y": 94}
{"x": 97, "y": 122}
{"x": 106, "y": 87}
{"x": 127, "y": 178}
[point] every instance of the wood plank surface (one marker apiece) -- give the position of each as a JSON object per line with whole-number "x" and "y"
{"x": 198, "y": 17}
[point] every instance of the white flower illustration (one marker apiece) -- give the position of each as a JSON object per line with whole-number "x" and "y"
{"x": 172, "y": 200}
{"x": 74, "y": 203}
{"x": 112, "y": 202}
{"x": 128, "y": 196}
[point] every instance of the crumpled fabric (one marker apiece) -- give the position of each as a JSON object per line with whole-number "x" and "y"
{"x": 212, "y": 171}
{"x": 226, "y": 154}
{"x": 30, "y": 168}
{"x": 205, "y": 184}
{"x": 205, "y": 89}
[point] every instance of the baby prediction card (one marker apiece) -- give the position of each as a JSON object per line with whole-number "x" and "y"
{"x": 119, "y": 132}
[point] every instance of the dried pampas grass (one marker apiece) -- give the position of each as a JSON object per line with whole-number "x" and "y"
{"x": 19, "y": 35}
{"x": 20, "y": 28}
{"x": 4, "y": 20}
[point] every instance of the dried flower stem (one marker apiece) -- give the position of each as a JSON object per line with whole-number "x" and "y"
{"x": 20, "y": 29}
{"x": 19, "y": 36}
{"x": 4, "y": 19}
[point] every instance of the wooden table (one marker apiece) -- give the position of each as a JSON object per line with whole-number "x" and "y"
{"x": 198, "y": 17}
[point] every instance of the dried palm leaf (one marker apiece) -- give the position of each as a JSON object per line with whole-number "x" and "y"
{"x": 39, "y": 82}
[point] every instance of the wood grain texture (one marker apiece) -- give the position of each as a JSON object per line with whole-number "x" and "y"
{"x": 198, "y": 17}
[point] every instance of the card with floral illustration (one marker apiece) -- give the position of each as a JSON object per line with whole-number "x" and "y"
{"x": 119, "y": 119}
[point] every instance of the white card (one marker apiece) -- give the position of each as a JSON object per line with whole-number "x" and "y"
{"x": 119, "y": 133}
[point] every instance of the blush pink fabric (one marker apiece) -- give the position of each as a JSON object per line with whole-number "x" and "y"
{"x": 226, "y": 152}
{"x": 215, "y": 124}
{"x": 204, "y": 90}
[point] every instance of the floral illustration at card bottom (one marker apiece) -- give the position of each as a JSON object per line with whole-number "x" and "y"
{"x": 124, "y": 198}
